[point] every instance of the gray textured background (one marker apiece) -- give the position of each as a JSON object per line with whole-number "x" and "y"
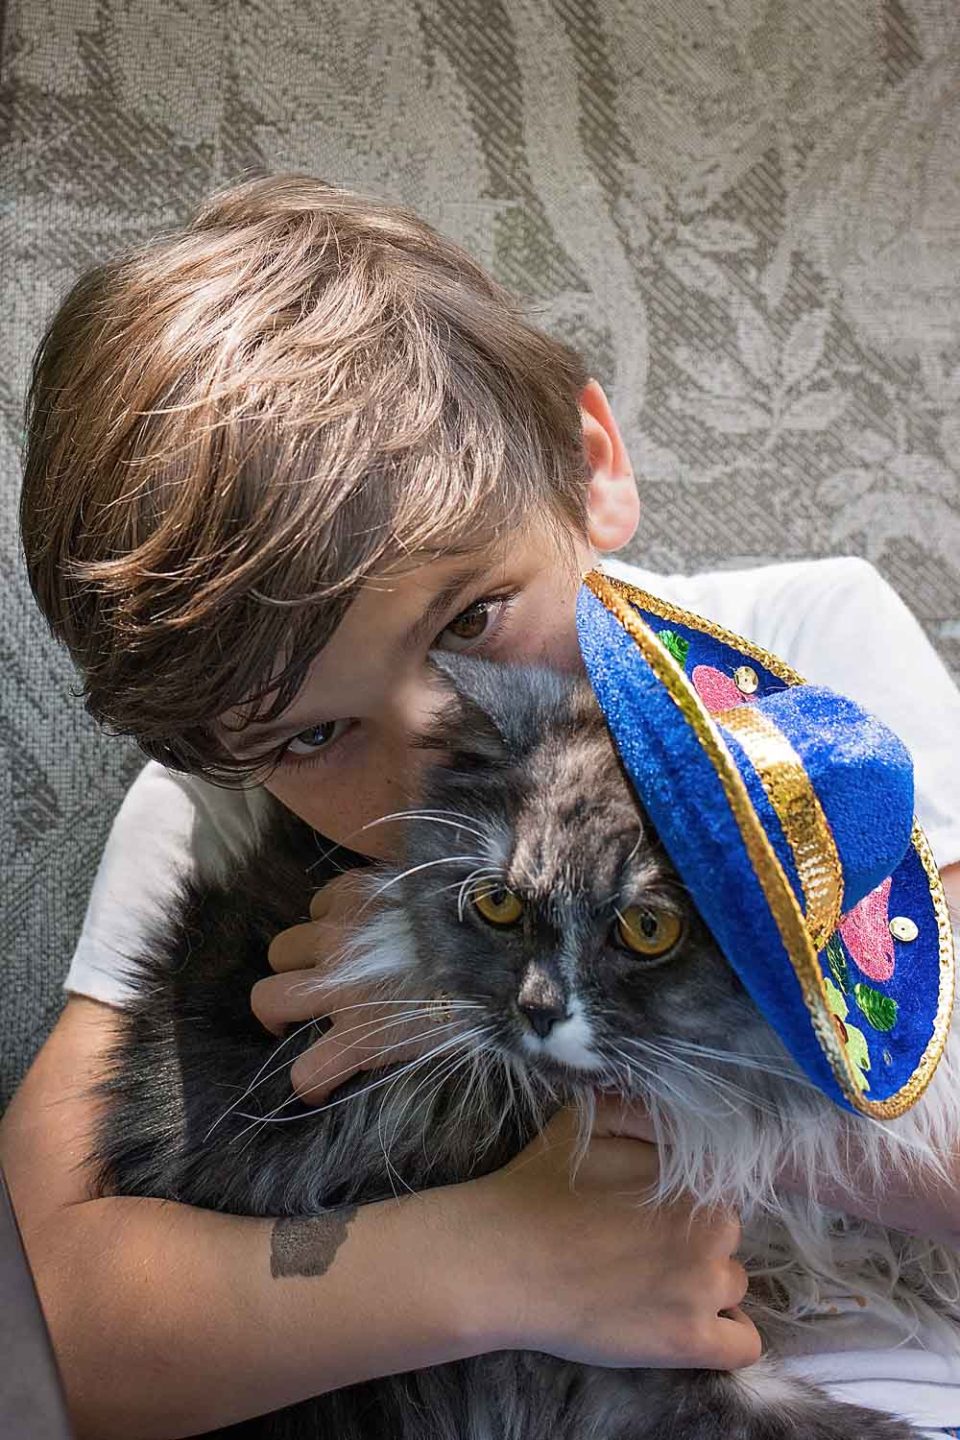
{"x": 745, "y": 212}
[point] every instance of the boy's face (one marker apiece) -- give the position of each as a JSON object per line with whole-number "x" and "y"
{"x": 370, "y": 692}
{"x": 350, "y": 759}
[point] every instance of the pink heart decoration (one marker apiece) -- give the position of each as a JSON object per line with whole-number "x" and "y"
{"x": 866, "y": 932}
{"x": 716, "y": 690}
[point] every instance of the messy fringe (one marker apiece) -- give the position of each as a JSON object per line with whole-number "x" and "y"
{"x": 232, "y": 427}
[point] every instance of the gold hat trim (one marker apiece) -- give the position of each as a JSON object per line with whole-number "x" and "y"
{"x": 619, "y": 597}
{"x": 795, "y": 803}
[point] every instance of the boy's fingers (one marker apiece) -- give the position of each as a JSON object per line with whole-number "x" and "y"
{"x": 315, "y": 942}
{"x": 340, "y": 896}
{"x": 281, "y": 1000}
{"x": 738, "y": 1341}
{"x": 331, "y": 1062}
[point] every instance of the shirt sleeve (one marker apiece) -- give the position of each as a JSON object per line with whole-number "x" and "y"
{"x": 148, "y": 851}
{"x": 839, "y": 623}
{"x": 170, "y": 826}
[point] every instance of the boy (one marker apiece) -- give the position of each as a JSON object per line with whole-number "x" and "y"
{"x": 275, "y": 459}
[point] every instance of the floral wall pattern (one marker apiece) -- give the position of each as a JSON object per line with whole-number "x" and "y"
{"x": 745, "y": 212}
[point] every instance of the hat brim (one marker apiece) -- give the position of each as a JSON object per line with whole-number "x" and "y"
{"x": 720, "y": 842}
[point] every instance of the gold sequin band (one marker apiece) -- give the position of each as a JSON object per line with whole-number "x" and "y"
{"x": 805, "y": 826}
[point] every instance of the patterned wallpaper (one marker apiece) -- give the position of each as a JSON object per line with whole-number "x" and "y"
{"x": 745, "y": 212}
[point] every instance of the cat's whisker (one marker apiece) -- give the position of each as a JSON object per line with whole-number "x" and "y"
{"x": 420, "y": 1010}
{"x": 476, "y": 876}
{"x": 444, "y": 1075}
{"x": 415, "y": 870}
{"x": 475, "y": 879}
{"x": 481, "y": 1062}
{"x": 343, "y": 1074}
{"x": 669, "y": 1047}
{"x": 435, "y": 817}
{"x": 772, "y": 1066}
{"x": 656, "y": 1079}
{"x": 275, "y": 1118}
{"x": 401, "y": 1112}
{"x": 480, "y": 1067}
{"x": 662, "y": 1050}
{"x": 260, "y": 1078}
{"x": 385, "y": 1144}
{"x": 736, "y": 1098}
{"x": 263, "y": 1075}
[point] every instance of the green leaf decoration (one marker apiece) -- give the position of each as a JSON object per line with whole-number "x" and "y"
{"x": 678, "y": 645}
{"x": 838, "y": 963}
{"x": 879, "y": 1009}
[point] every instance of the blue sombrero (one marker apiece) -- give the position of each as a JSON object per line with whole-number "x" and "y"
{"x": 788, "y": 813}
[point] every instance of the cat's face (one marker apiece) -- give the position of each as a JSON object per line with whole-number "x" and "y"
{"x": 537, "y": 890}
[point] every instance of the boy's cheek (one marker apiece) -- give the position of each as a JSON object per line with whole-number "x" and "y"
{"x": 347, "y": 806}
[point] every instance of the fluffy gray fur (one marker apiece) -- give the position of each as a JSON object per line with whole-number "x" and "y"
{"x": 531, "y": 797}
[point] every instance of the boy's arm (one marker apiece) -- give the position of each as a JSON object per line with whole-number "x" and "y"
{"x": 169, "y": 1320}
{"x": 166, "y": 1319}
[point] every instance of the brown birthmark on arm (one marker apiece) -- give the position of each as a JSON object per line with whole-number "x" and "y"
{"x": 306, "y": 1245}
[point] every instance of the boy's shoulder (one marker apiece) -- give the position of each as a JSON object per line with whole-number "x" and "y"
{"x": 212, "y": 824}
{"x": 774, "y": 605}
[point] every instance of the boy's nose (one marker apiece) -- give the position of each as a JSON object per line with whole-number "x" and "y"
{"x": 416, "y": 706}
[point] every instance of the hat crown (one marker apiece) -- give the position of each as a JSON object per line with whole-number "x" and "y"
{"x": 858, "y": 771}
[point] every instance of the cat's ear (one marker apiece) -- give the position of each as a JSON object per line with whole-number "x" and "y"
{"x": 467, "y": 725}
{"x": 497, "y": 711}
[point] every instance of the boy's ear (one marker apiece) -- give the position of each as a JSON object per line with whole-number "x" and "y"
{"x": 613, "y": 505}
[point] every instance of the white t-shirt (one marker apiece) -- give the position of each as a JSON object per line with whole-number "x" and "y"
{"x": 837, "y": 622}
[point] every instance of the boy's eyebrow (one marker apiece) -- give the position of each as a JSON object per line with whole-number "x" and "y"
{"x": 422, "y": 628}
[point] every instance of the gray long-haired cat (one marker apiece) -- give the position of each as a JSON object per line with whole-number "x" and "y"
{"x": 535, "y": 898}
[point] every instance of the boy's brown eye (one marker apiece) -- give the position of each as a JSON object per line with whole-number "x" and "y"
{"x": 471, "y": 624}
{"x": 648, "y": 931}
{"x": 473, "y": 627}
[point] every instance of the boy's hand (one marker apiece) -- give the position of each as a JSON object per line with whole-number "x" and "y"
{"x": 361, "y": 1035}
{"x": 587, "y": 1272}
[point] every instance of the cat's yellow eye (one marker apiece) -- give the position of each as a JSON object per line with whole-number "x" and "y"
{"x": 498, "y": 907}
{"x": 648, "y": 931}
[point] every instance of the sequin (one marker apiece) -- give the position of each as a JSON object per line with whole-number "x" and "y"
{"x": 746, "y": 679}
{"x": 903, "y": 928}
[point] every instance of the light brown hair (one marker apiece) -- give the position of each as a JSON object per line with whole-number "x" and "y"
{"x": 232, "y": 426}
